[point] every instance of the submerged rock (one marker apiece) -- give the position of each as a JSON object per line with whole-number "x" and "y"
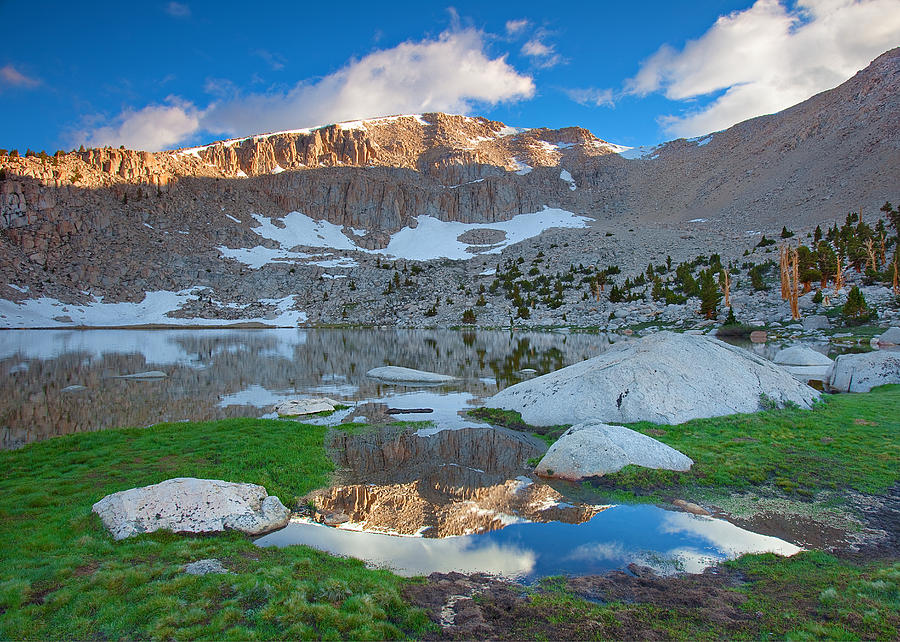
{"x": 410, "y": 375}
{"x": 149, "y": 374}
{"x": 595, "y": 449}
{"x": 190, "y": 505}
{"x": 664, "y": 378}
{"x": 862, "y": 372}
{"x": 690, "y": 507}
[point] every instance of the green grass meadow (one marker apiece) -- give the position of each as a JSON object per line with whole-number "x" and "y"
{"x": 63, "y": 577}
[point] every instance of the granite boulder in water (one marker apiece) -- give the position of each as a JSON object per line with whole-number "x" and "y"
{"x": 400, "y": 374}
{"x": 890, "y": 337}
{"x": 308, "y": 406}
{"x": 665, "y": 378}
{"x": 189, "y": 505}
{"x": 801, "y": 355}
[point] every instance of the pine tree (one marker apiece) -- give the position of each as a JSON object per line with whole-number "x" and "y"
{"x": 709, "y": 294}
{"x": 855, "y": 310}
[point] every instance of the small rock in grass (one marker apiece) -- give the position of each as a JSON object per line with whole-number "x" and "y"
{"x": 205, "y": 567}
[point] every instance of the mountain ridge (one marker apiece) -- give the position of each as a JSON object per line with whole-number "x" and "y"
{"x": 120, "y": 223}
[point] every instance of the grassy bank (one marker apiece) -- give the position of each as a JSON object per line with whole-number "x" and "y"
{"x": 844, "y": 442}
{"x": 62, "y": 576}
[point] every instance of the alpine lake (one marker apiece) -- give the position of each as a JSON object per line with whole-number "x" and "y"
{"x": 421, "y": 486}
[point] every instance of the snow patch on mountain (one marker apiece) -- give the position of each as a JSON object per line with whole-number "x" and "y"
{"x": 435, "y": 239}
{"x": 634, "y": 153}
{"x": 429, "y": 239}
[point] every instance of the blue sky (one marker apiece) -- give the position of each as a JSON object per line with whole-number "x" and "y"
{"x": 156, "y": 75}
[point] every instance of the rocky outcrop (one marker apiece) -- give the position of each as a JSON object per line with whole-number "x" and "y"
{"x": 664, "y": 378}
{"x": 890, "y": 337}
{"x": 189, "y": 505}
{"x": 597, "y": 449}
{"x": 862, "y": 372}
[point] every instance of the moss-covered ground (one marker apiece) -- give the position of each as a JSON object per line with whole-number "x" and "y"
{"x": 62, "y": 576}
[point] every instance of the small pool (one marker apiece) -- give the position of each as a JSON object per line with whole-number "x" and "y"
{"x": 615, "y": 537}
{"x": 466, "y": 500}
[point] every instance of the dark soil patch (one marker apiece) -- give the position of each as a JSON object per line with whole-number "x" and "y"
{"x": 86, "y": 569}
{"x": 881, "y": 516}
{"x": 39, "y": 593}
{"x": 803, "y": 531}
{"x": 645, "y": 606}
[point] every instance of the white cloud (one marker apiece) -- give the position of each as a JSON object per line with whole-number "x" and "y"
{"x": 767, "y": 58}
{"x": 542, "y": 54}
{"x": 274, "y": 60}
{"x": 451, "y": 73}
{"x": 592, "y": 96}
{"x": 514, "y": 27}
{"x": 152, "y": 128}
{"x": 12, "y": 77}
{"x": 178, "y": 10}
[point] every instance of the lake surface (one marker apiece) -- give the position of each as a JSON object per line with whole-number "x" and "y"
{"x": 454, "y": 494}
{"x": 56, "y": 382}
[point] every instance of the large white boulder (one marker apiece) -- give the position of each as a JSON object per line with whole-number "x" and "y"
{"x": 890, "y": 337}
{"x": 593, "y": 449}
{"x": 862, "y": 372}
{"x": 189, "y": 505}
{"x": 801, "y": 355}
{"x": 407, "y": 375}
{"x": 664, "y": 378}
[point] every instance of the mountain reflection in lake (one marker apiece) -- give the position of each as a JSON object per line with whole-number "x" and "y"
{"x": 55, "y": 382}
{"x": 614, "y": 538}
